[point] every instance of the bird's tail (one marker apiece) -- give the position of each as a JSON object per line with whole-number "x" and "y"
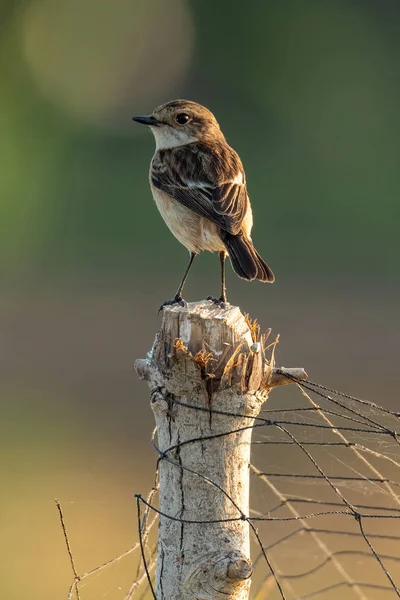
{"x": 245, "y": 260}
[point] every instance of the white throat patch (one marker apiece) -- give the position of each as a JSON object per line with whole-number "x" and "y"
{"x": 169, "y": 137}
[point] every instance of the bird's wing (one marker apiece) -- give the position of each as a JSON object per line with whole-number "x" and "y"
{"x": 216, "y": 194}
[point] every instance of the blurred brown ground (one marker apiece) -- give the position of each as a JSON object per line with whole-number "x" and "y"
{"x": 76, "y": 422}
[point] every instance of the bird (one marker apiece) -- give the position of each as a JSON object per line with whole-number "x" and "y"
{"x": 199, "y": 186}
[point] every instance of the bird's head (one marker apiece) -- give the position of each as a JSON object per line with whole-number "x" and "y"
{"x": 181, "y": 122}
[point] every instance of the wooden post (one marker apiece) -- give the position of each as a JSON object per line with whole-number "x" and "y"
{"x": 205, "y": 362}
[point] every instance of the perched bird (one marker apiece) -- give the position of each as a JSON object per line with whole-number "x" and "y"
{"x": 199, "y": 186}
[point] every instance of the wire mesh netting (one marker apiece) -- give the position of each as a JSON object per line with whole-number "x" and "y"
{"x": 325, "y": 502}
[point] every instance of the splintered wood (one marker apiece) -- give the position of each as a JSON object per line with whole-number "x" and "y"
{"x": 209, "y": 376}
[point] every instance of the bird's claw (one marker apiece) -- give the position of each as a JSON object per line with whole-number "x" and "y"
{"x": 221, "y": 302}
{"x": 177, "y": 300}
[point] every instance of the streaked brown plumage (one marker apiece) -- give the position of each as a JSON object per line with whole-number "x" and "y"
{"x": 199, "y": 186}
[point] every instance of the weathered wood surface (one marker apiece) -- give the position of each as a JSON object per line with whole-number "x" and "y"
{"x": 209, "y": 360}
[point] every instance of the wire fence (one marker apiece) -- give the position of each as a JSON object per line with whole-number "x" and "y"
{"x": 325, "y": 516}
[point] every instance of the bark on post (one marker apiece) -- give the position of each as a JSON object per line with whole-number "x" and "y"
{"x": 207, "y": 358}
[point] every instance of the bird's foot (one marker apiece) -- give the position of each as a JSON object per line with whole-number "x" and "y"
{"x": 221, "y": 302}
{"x": 177, "y": 300}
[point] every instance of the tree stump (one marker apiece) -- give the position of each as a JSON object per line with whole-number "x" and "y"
{"x": 209, "y": 378}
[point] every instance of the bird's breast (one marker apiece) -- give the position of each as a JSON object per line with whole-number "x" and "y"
{"x": 192, "y": 230}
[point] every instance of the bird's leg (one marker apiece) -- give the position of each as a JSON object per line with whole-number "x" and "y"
{"x": 178, "y": 295}
{"x": 221, "y": 302}
{"x": 177, "y": 299}
{"x": 222, "y": 258}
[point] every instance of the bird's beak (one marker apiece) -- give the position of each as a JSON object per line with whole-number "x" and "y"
{"x": 147, "y": 120}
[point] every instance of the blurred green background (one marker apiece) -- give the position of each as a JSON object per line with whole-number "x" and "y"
{"x": 308, "y": 93}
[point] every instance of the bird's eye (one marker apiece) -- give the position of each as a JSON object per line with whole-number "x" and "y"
{"x": 182, "y": 119}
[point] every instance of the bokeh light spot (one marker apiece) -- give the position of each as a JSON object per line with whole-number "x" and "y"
{"x": 99, "y": 59}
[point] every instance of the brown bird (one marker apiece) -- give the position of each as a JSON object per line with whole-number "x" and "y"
{"x": 199, "y": 186}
